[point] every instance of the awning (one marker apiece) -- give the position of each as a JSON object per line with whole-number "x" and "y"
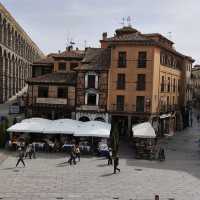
{"x": 143, "y": 130}
{"x": 94, "y": 129}
{"x": 63, "y": 126}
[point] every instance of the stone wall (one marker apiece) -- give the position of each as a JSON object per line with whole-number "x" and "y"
{"x": 17, "y": 52}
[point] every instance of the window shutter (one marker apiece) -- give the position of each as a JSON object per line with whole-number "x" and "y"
{"x": 97, "y": 99}
{"x": 86, "y": 81}
{"x": 96, "y": 81}
{"x": 86, "y": 98}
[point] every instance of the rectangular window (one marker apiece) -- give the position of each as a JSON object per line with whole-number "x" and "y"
{"x": 168, "y": 85}
{"x": 167, "y": 100}
{"x": 163, "y": 84}
{"x": 120, "y": 103}
{"x": 46, "y": 70}
{"x": 121, "y": 81}
{"x": 43, "y": 92}
{"x": 174, "y": 85}
{"x": 62, "y": 66}
{"x": 91, "y": 81}
{"x": 140, "y": 104}
{"x": 91, "y": 99}
{"x": 178, "y": 86}
{"x": 122, "y": 59}
{"x": 73, "y": 65}
{"x": 62, "y": 92}
{"x": 142, "y": 58}
{"x": 141, "y": 82}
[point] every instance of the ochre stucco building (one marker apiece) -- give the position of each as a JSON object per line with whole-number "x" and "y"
{"x": 147, "y": 78}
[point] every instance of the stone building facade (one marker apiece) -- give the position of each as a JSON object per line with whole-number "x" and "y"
{"x": 51, "y": 90}
{"x": 92, "y": 85}
{"x": 196, "y": 85}
{"x": 17, "y": 52}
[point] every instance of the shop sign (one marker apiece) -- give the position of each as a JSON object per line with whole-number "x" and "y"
{"x": 51, "y": 101}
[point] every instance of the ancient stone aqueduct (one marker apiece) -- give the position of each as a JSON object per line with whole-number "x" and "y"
{"x": 17, "y": 52}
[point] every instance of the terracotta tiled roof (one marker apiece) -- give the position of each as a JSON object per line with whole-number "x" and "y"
{"x": 96, "y": 59}
{"x": 65, "y": 78}
{"x": 47, "y": 60}
{"x": 70, "y": 54}
{"x": 128, "y": 37}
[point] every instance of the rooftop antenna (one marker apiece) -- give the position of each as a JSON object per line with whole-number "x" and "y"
{"x": 85, "y": 43}
{"x": 169, "y": 35}
{"x": 123, "y": 21}
{"x": 128, "y": 21}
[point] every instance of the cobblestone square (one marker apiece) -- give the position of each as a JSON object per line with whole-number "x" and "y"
{"x": 46, "y": 178}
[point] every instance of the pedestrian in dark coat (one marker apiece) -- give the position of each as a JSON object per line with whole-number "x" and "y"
{"x": 198, "y": 118}
{"x": 110, "y": 156}
{"x": 116, "y": 163}
{"x": 161, "y": 155}
{"x": 72, "y": 156}
{"x": 21, "y": 156}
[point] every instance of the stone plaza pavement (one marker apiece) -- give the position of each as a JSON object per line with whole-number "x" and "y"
{"x": 45, "y": 178}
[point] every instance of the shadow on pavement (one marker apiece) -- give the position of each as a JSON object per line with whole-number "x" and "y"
{"x": 106, "y": 175}
{"x": 102, "y": 165}
{"x": 8, "y": 168}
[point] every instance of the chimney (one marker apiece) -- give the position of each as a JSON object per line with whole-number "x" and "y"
{"x": 69, "y": 48}
{"x": 104, "y": 35}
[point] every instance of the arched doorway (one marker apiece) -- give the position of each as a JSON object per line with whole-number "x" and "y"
{"x": 84, "y": 119}
{"x": 100, "y": 119}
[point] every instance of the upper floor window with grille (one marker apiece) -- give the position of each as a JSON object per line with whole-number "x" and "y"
{"x": 142, "y": 58}
{"x": 120, "y": 103}
{"x": 141, "y": 82}
{"x": 61, "y": 92}
{"x": 163, "y": 84}
{"x": 43, "y": 92}
{"x": 122, "y": 59}
{"x": 91, "y": 81}
{"x": 62, "y": 66}
{"x": 121, "y": 81}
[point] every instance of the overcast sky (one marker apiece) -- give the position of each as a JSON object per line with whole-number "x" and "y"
{"x": 51, "y": 23}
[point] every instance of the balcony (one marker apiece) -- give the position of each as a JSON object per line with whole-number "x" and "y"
{"x": 119, "y": 108}
{"x": 129, "y": 108}
{"x": 168, "y": 108}
{"x": 98, "y": 108}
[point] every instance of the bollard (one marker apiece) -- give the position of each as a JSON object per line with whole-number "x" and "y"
{"x": 156, "y": 197}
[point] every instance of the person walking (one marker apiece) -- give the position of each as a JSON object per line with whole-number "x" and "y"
{"x": 198, "y": 118}
{"x": 109, "y": 156}
{"x": 28, "y": 151}
{"x": 191, "y": 121}
{"x": 72, "y": 156}
{"x": 33, "y": 150}
{"x": 116, "y": 163}
{"x": 161, "y": 155}
{"x": 77, "y": 151}
{"x": 21, "y": 156}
